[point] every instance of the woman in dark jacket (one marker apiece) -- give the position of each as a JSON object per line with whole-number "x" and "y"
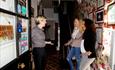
{"x": 89, "y": 37}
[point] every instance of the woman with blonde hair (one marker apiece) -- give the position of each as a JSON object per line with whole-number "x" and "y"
{"x": 38, "y": 43}
{"x": 75, "y": 42}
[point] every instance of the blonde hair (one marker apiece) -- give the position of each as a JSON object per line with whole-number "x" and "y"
{"x": 38, "y": 18}
{"x": 81, "y": 26}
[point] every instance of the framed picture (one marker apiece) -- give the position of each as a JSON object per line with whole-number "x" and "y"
{"x": 111, "y": 14}
{"x": 22, "y": 7}
{"x": 23, "y": 40}
{"x": 8, "y": 5}
{"x": 7, "y": 39}
{"x": 100, "y": 3}
{"x": 99, "y": 34}
{"x": 99, "y": 16}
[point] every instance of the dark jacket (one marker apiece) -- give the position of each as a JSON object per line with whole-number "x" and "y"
{"x": 89, "y": 37}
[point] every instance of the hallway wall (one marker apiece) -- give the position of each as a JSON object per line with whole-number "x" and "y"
{"x": 34, "y": 4}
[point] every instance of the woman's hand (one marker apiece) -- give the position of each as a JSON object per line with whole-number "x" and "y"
{"x": 87, "y": 53}
{"x": 66, "y": 44}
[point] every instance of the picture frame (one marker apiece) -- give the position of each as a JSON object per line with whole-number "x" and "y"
{"x": 111, "y": 14}
{"x": 8, "y": 5}
{"x": 100, "y": 3}
{"x": 100, "y": 16}
{"x": 99, "y": 34}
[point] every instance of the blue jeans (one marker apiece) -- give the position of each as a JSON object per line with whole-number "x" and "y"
{"x": 74, "y": 51}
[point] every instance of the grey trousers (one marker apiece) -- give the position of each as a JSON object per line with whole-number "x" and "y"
{"x": 85, "y": 62}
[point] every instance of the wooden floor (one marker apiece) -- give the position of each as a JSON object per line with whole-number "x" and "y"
{"x": 53, "y": 60}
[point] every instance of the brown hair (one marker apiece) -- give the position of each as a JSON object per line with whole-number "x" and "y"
{"x": 81, "y": 28}
{"x": 89, "y": 24}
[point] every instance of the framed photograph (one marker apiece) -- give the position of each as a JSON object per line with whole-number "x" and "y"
{"x": 8, "y": 46}
{"x": 100, "y": 3}
{"x": 111, "y": 14}
{"x": 100, "y": 16}
{"x": 23, "y": 40}
{"x": 8, "y": 5}
{"x": 99, "y": 34}
{"x": 22, "y": 7}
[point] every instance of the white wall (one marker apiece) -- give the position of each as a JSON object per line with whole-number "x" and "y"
{"x": 112, "y": 56}
{"x": 49, "y": 13}
{"x": 34, "y": 4}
